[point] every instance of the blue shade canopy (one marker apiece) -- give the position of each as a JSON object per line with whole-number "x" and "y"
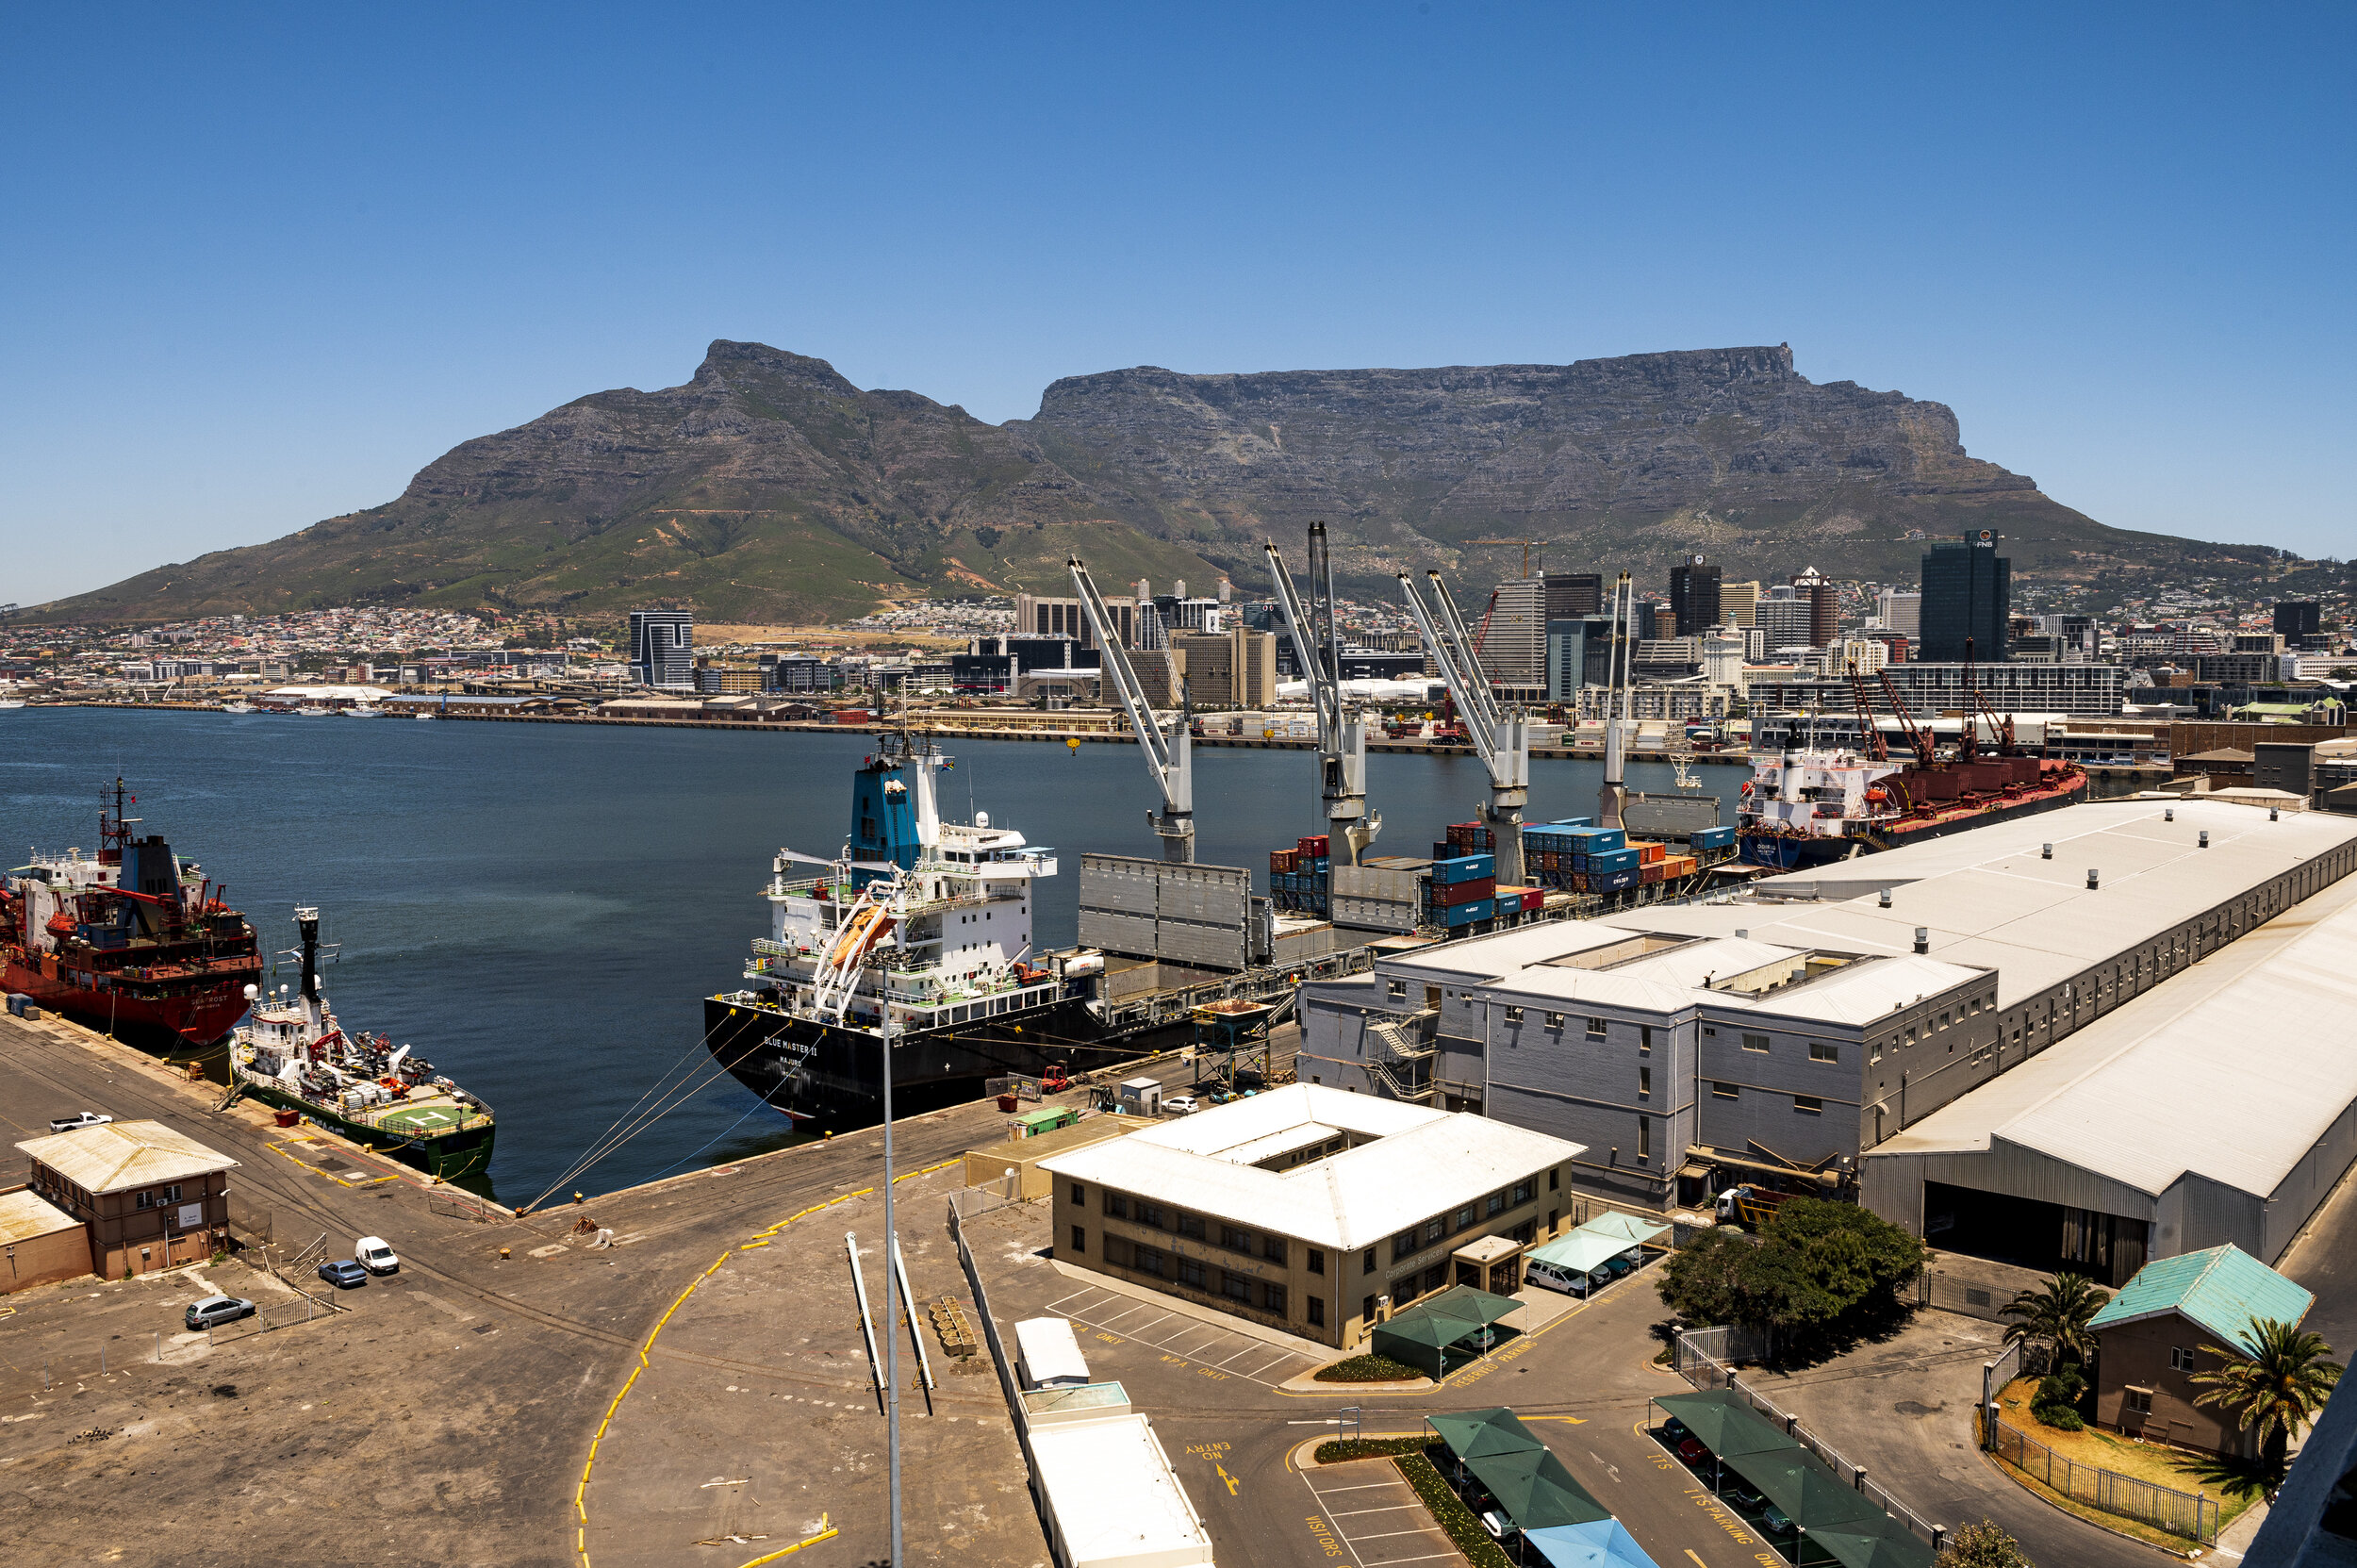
{"x": 1599, "y": 1543}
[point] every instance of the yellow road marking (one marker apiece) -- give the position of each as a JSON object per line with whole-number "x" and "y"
{"x": 806, "y": 1540}
{"x": 580, "y": 1542}
{"x": 1226, "y": 1477}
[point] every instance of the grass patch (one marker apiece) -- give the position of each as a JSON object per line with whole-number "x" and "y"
{"x": 1450, "y": 1511}
{"x": 1369, "y": 1368}
{"x": 1342, "y": 1450}
{"x": 2178, "y": 1469}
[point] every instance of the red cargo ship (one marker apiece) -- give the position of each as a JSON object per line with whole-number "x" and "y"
{"x": 135, "y": 941}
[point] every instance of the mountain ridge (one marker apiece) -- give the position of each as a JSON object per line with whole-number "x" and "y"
{"x": 768, "y": 486}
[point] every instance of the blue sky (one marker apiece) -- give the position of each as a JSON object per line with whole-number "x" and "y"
{"x": 261, "y": 265}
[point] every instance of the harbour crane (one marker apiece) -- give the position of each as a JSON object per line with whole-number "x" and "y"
{"x": 1168, "y": 757}
{"x": 1613, "y": 794}
{"x": 1502, "y": 739}
{"x": 1341, "y": 732}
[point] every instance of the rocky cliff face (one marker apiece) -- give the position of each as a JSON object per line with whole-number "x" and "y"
{"x": 769, "y": 488}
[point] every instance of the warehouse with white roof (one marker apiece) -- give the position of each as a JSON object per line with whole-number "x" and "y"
{"x": 2220, "y": 1107}
{"x": 1310, "y": 1209}
{"x": 1793, "y": 1030}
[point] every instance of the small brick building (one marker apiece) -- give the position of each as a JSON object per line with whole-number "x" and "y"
{"x": 2156, "y": 1333}
{"x": 148, "y": 1197}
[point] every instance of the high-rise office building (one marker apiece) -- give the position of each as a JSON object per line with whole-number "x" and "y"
{"x": 1514, "y": 645}
{"x": 1694, "y": 595}
{"x": 2297, "y": 618}
{"x": 1784, "y": 619}
{"x": 1901, "y": 611}
{"x": 1824, "y": 607}
{"x": 1230, "y": 669}
{"x": 1572, "y": 594}
{"x": 1579, "y": 652}
{"x": 1038, "y": 617}
{"x": 1968, "y": 593}
{"x": 1738, "y": 604}
{"x": 663, "y": 649}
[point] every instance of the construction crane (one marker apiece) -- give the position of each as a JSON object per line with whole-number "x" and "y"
{"x": 1502, "y": 739}
{"x": 2000, "y": 731}
{"x": 1341, "y": 732}
{"x": 1526, "y": 545}
{"x": 1167, "y": 757}
{"x": 1613, "y": 794}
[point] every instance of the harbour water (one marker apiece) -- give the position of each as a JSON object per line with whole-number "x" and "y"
{"x": 541, "y": 909}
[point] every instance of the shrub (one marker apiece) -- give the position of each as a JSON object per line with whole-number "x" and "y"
{"x": 1369, "y": 1368}
{"x": 1450, "y": 1511}
{"x": 1340, "y": 1450}
{"x": 2056, "y": 1401}
{"x": 1983, "y": 1545}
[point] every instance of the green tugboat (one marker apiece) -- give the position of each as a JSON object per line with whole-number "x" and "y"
{"x": 291, "y": 1053}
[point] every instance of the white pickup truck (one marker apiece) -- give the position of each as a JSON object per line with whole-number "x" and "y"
{"x": 78, "y": 1121}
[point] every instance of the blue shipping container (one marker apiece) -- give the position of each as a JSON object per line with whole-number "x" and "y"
{"x": 1612, "y": 882}
{"x": 1466, "y": 869}
{"x": 1465, "y": 915}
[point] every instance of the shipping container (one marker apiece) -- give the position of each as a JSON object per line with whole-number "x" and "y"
{"x": 1447, "y": 893}
{"x": 1465, "y": 915}
{"x": 1464, "y": 868}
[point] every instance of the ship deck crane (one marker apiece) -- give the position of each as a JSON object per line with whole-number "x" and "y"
{"x": 1341, "y": 732}
{"x": 1168, "y": 757}
{"x": 1502, "y": 739}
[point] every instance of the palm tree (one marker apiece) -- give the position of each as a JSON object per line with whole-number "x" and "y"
{"x": 2275, "y": 1381}
{"x": 2056, "y": 1315}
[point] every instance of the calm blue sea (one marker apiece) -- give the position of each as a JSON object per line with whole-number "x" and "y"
{"x": 541, "y": 909}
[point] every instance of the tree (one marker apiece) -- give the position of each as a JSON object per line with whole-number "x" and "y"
{"x": 1981, "y": 1545}
{"x": 2273, "y": 1384}
{"x": 1814, "y": 1266}
{"x": 2056, "y": 1315}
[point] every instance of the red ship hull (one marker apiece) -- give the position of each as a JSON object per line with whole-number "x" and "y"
{"x": 200, "y": 1016}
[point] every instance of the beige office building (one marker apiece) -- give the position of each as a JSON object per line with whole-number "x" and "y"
{"x": 1312, "y": 1210}
{"x": 1230, "y": 669}
{"x": 1738, "y": 604}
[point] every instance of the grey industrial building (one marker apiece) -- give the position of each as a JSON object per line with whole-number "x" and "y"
{"x": 1804, "y": 1028}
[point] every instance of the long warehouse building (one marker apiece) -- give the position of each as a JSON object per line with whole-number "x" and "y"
{"x": 1802, "y": 1026}
{"x": 2219, "y": 1107}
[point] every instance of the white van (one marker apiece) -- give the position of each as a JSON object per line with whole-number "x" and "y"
{"x": 1572, "y": 1281}
{"x": 1046, "y": 1355}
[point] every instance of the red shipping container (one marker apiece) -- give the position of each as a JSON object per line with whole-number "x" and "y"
{"x": 1312, "y": 846}
{"x": 1280, "y": 861}
{"x": 1449, "y": 893}
{"x": 1652, "y": 873}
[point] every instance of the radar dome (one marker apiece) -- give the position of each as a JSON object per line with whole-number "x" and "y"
{"x": 981, "y": 820}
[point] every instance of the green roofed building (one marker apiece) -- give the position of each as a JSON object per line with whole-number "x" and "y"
{"x": 2160, "y": 1331}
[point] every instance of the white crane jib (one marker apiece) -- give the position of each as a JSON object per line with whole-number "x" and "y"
{"x": 1168, "y": 757}
{"x": 1501, "y": 739}
{"x": 1613, "y": 794}
{"x": 1341, "y": 733}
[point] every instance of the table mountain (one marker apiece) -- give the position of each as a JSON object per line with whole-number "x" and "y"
{"x": 769, "y": 488}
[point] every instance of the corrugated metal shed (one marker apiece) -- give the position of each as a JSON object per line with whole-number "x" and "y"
{"x": 126, "y": 1154}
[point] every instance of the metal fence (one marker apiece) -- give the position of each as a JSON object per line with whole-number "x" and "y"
{"x": 2182, "y": 1514}
{"x": 1701, "y": 1356}
{"x": 1955, "y": 1295}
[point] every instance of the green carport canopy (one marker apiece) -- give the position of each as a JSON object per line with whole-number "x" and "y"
{"x": 1472, "y": 1434}
{"x": 1535, "y": 1490}
{"x": 1877, "y": 1543}
{"x": 1810, "y": 1495}
{"x": 1725, "y": 1423}
{"x": 1421, "y": 1335}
